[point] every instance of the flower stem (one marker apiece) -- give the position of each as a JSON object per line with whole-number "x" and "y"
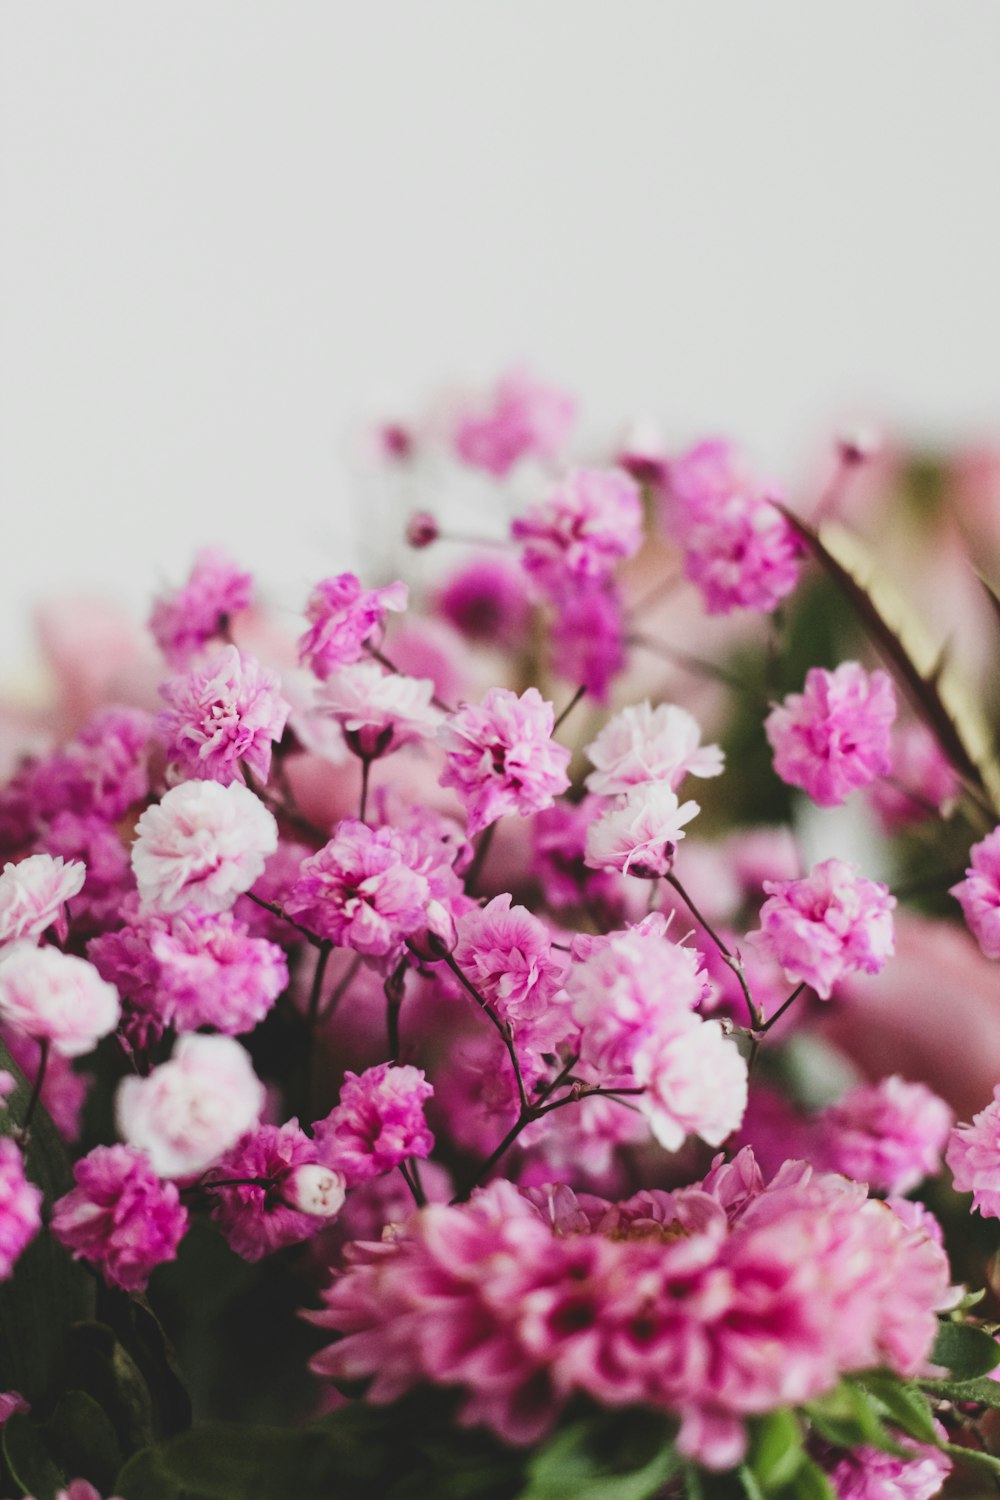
{"x": 36, "y": 1088}
{"x": 732, "y": 959}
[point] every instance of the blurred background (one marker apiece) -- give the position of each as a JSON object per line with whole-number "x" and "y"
{"x": 234, "y": 235}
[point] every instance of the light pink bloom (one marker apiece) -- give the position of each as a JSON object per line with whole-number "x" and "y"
{"x": 120, "y": 1216}
{"x": 185, "y": 620}
{"x": 695, "y": 1080}
{"x": 257, "y": 1219}
{"x": 378, "y": 1123}
{"x": 834, "y": 736}
{"x": 588, "y": 522}
{"x": 33, "y": 894}
{"x": 343, "y": 618}
{"x": 213, "y": 973}
{"x": 507, "y": 955}
{"x": 363, "y": 890}
{"x": 889, "y": 1134}
{"x": 979, "y": 893}
{"x": 521, "y": 417}
{"x": 869, "y": 1474}
{"x": 588, "y": 639}
{"x": 922, "y": 779}
{"x": 638, "y": 833}
{"x": 832, "y": 923}
{"x": 222, "y": 712}
{"x": 20, "y": 1207}
{"x": 316, "y": 1190}
{"x": 642, "y": 743}
{"x": 191, "y": 1109}
{"x": 973, "y": 1157}
{"x": 57, "y": 998}
{"x": 378, "y": 711}
{"x": 203, "y": 844}
{"x": 501, "y": 757}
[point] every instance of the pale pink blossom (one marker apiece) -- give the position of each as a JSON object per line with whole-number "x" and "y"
{"x": 186, "y": 619}
{"x": 363, "y": 890}
{"x": 890, "y": 1134}
{"x": 33, "y": 896}
{"x": 378, "y": 711}
{"x": 589, "y": 521}
{"x": 315, "y": 1189}
{"x": 869, "y": 1474}
{"x": 973, "y": 1157}
{"x": 835, "y": 735}
{"x": 344, "y": 618}
{"x": 507, "y": 954}
{"x": 638, "y": 833}
{"x": 20, "y": 1207}
{"x": 120, "y": 1217}
{"x": 222, "y": 715}
{"x": 521, "y": 416}
{"x": 213, "y": 973}
{"x": 57, "y": 998}
{"x": 642, "y": 743}
{"x": 501, "y": 758}
{"x": 979, "y": 893}
{"x": 203, "y": 844}
{"x": 191, "y": 1109}
{"x": 830, "y": 924}
{"x": 378, "y": 1123}
{"x": 255, "y": 1211}
{"x": 695, "y": 1082}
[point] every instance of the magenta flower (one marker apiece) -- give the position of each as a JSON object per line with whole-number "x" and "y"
{"x": 507, "y": 953}
{"x": 58, "y": 998}
{"x": 362, "y": 890}
{"x": 33, "y": 895}
{"x": 102, "y": 772}
{"x": 184, "y": 621}
{"x": 258, "y": 1219}
{"x": 973, "y": 1157}
{"x": 213, "y": 973}
{"x": 221, "y": 713}
{"x": 501, "y": 757}
{"x": 889, "y": 1134}
{"x": 642, "y": 744}
{"x": 588, "y": 639}
{"x": 923, "y": 780}
{"x": 378, "y": 1123}
{"x": 343, "y": 618}
{"x": 979, "y": 893}
{"x": 587, "y": 523}
{"x": 521, "y": 417}
{"x": 832, "y": 923}
{"x": 96, "y": 844}
{"x": 125, "y": 959}
{"x": 20, "y": 1207}
{"x": 203, "y": 844}
{"x": 120, "y": 1217}
{"x": 638, "y": 833}
{"x": 834, "y": 736}
{"x": 486, "y": 601}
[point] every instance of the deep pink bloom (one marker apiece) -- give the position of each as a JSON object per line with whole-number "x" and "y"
{"x": 203, "y": 844}
{"x": 638, "y": 833}
{"x": 343, "y": 618}
{"x": 378, "y": 711}
{"x": 642, "y": 743}
{"x": 832, "y": 923}
{"x": 125, "y": 959}
{"x": 33, "y": 895}
{"x": 120, "y": 1216}
{"x": 186, "y": 619}
{"x": 560, "y": 836}
{"x": 378, "y": 1123}
{"x": 521, "y": 417}
{"x": 507, "y": 954}
{"x": 973, "y": 1157}
{"x": 923, "y": 780}
{"x": 889, "y": 1134}
{"x": 979, "y": 893}
{"x": 501, "y": 757}
{"x": 220, "y": 713}
{"x": 361, "y": 890}
{"x": 259, "y": 1219}
{"x": 834, "y": 736}
{"x": 103, "y": 772}
{"x": 738, "y": 547}
{"x": 486, "y": 601}
{"x": 588, "y": 639}
{"x": 213, "y": 973}
{"x": 20, "y": 1207}
{"x": 588, "y": 522}
{"x": 869, "y": 1474}
{"x": 56, "y": 997}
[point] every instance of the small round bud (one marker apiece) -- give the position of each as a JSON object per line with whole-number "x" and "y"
{"x": 422, "y": 529}
{"x": 314, "y": 1189}
{"x": 859, "y": 445}
{"x": 396, "y": 441}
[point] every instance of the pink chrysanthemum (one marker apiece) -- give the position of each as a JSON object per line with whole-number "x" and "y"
{"x": 642, "y": 743}
{"x": 378, "y": 711}
{"x": 378, "y": 1123}
{"x": 20, "y": 1207}
{"x": 186, "y": 619}
{"x": 587, "y": 523}
{"x": 973, "y": 1157}
{"x": 362, "y": 891}
{"x": 221, "y": 714}
{"x": 120, "y": 1217}
{"x": 521, "y": 417}
{"x": 507, "y": 954}
{"x": 979, "y": 893}
{"x": 501, "y": 757}
{"x": 588, "y": 639}
{"x": 33, "y": 896}
{"x": 343, "y": 618}
{"x": 258, "y": 1219}
{"x": 889, "y": 1134}
{"x": 486, "y": 601}
{"x": 203, "y": 844}
{"x": 832, "y": 923}
{"x": 834, "y": 736}
{"x": 638, "y": 833}
{"x": 869, "y": 1474}
{"x": 213, "y": 973}
{"x": 695, "y": 1082}
{"x": 58, "y": 998}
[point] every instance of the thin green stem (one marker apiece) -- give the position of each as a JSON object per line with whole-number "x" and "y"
{"x": 36, "y": 1088}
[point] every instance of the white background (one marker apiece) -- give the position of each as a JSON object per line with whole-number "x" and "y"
{"x": 234, "y": 229}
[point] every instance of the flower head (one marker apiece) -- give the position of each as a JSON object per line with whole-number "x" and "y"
{"x": 213, "y": 973}
{"x": 343, "y": 618}
{"x": 501, "y": 757}
{"x": 642, "y": 744}
{"x": 224, "y": 712}
{"x": 184, "y": 621}
{"x": 33, "y": 895}
{"x": 834, "y": 736}
{"x": 20, "y": 1207}
{"x": 521, "y": 417}
{"x": 979, "y": 893}
{"x": 507, "y": 954}
{"x": 378, "y": 1123}
{"x": 832, "y": 923}
{"x": 588, "y": 639}
{"x": 638, "y": 833}
{"x": 889, "y": 1134}
{"x": 58, "y": 998}
{"x": 260, "y": 1217}
{"x": 485, "y": 600}
{"x": 362, "y": 890}
{"x": 202, "y": 844}
{"x": 973, "y": 1157}
{"x": 378, "y": 711}
{"x": 586, "y": 524}
{"x": 120, "y": 1216}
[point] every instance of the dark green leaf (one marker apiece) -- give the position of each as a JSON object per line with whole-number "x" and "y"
{"x": 902, "y": 1404}
{"x": 29, "y": 1460}
{"x": 775, "y": 1449}
{"x": 849, "y": 1417}
{"x": 83, "y": 1441}
{"x": 964, "y": 1350}
{"x": 977, "y": 1392}
{"x": 616, "y": 1456}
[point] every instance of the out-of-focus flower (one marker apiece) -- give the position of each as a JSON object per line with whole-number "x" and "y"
{"x": 185, "y": 620}
{"x": 588, "y": 522}
{"x": 33, "y": 895}
{"x": 889, "y": 1134}
{"x": 20, "y": 1207}
{"x": 379, "y": 711}
{"x": 58, "y": 998}
{"x": 979, "y": 893}
{"x": 344, "y": 618}
{"x": 521, "y": 417}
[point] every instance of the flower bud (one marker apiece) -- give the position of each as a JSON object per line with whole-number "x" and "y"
{"x": 314, "y": 1189}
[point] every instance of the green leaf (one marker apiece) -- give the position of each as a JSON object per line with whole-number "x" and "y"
{"x": 83, "y": 1441}
{"x": 965, "y": 1350}
{"x": 902, "y": 1404}
{"x": 974, "y": 1456}
{"x": 29, "y": 1460}
{"x": 977, "y": 1392}
{"x": 848, "y": 1417}
{"x": 775, "y": 1449}
{"x": 749, "y": 1482}
{"x": 615, "y": 1456}
{"x": 810, "y": 1483}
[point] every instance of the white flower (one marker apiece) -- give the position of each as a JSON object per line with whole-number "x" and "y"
{"x": 639, "y": 831}
{"x": 650, "y": 744}
{"x": 315, "y": 1189}
{"x": 55, "y": 997}
{"x": 202, "y": 844}
{"x": 696, "y": 1082}
{"x": 33, "y": 894}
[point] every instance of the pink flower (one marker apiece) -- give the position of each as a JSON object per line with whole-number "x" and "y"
{"x": 102, "y": 772}
{"x": 378, "y": 1123}
{"x": 57, "y": 998}
{"x": 10, "y": 1402}
{"x": 521, "y": 417}
{"x": 125, "y": 959}
{"x": 832, "y": 923}
{"x": 979, "y": 893}
{"x": 486, "y": 601}
{"x": 973, "y": 1157}
{"x": 834, "y": 736}
{"x": 362, "y": 890}
{"x": 203, "y": 843}
{"x": 96, "y": 845}
{"x": 588, "y": 639}
{"x": 923, "y": 779}
{"x": 33, "y": 895}
{"x": 889, "y": 1134}
{"x": 257, "y": 1219}
{"x": 81, "y": 1489}
{"x": 586, "y": 524}
{"x": 738, "y": 547}
{"x": 642, "y": 744}
{"x": 213, "y": 973}
{"x": 188, "y": 1111}
{"x": 344, "y": 617}
{"x": 378, "y": 711}
{"x": 223, "y": 712}
{"x": 315, "y": 1190}
{"x": 184, "y": 621}
{"x": 507, "y": 955}
{"x": 695, "y": 1081}
{"x": 20, "y": 1207}
{"x": 869, "y": 1474}
{"x": 560, "y": 835}
{"x": 120, "y": 1216}
{"x": 501, "y": 757}
{"x": 638, "y": 833}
